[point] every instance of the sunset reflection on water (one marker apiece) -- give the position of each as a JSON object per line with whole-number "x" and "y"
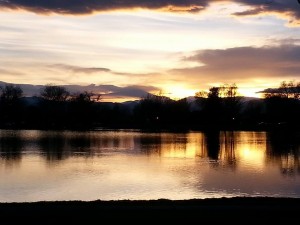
{"x": 49, "y": 165}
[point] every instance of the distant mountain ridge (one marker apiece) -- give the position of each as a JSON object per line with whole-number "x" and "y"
{"x": 106, "y": 91}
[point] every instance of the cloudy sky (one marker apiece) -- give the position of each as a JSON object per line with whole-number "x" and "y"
{"x": 138, "y": 46}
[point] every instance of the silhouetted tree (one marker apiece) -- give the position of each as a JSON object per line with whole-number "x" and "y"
{"x": 10, "y": 94}
{"x": 220, "y": 106}
{"x": 253, "y": 113}
{"x": 201, "y": 94}
{"x": 54, "y": 107}
{"x": 229, "y": 90}
{"x": 287, "y": 89}
{"x": 10, "y": 105}
{"x": 282, "y": 104}
{"x": 231, "y": 103}
{"x": 214, "y": 93}
{"x": 290, "y": 89}
{"x": 150, "y": 109}
{"x": 213, "y": 107}
{"x": 86, "y": 97}
{"x": 81, "y": 113}
{"x": 158, "y": 111}
{"x": 55, "y": 93}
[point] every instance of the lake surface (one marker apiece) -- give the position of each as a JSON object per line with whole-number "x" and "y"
{"x": 127, "y": 164}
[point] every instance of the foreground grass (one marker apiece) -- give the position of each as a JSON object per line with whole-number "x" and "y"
{"x": 239, "y": 210}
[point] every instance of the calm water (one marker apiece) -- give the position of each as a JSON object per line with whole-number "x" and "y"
{"x": 47, "y": 165}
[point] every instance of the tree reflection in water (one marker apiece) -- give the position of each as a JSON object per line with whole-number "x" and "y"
{"x": 283, "y": 148}
{"x": 11, "y": 148}
{"x": 224, "y": 149}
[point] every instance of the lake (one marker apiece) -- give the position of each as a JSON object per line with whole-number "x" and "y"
{"x": 130, "y": 164}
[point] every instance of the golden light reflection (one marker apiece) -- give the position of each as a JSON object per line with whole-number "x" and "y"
{"x": 252, "y": 152}
{"x": 245, "y": 149}
{"x": 178, "y": 151}
{"x": 182, "y": 146}
{"x": 253, "y": 155}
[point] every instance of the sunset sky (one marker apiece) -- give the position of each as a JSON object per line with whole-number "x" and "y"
{"x": 127, "y": 47}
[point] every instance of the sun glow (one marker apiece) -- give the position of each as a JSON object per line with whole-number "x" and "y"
{"x": 250, "y": 92}
{"x": 178, "y": 92}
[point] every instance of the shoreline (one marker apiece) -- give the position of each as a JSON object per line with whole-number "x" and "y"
{"x": 236, "y": 210}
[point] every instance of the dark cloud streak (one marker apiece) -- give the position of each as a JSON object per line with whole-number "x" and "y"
{"x": 290, "y": 8}
{"x": 90, "y": 6}
{"x": 78, "y": 69}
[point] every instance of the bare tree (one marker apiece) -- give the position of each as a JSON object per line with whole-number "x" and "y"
{"x": 287, "y": 89}
{"x": 229, "y": 90}
{"x": 201, "y": 94}
{"x": 86, "y": 97}
{"x": 10, "y": 93}
{"x": 55, "y": 93}
{"x": 290, "y": 89}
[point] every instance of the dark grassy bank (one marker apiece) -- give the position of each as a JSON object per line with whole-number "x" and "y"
{"x": 238, "y": 210}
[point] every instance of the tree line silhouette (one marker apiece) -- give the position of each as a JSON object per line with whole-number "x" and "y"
{"x": 219, "y": 108}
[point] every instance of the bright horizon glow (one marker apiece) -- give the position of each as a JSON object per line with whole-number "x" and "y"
{"x": 177, "y": 92}
{"x": 250, "y": 92}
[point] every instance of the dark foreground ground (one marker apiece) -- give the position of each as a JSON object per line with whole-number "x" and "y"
{"x": 206, "y": 211}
